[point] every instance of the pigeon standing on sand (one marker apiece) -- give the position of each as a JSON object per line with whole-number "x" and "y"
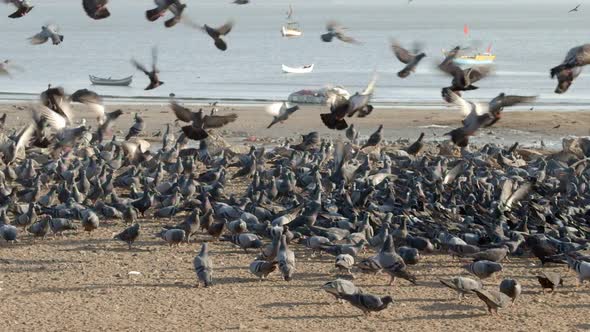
{"x": 137, "y": 127}
{"x": 262, "y": 268}
{"x": 462, "y": 285}
{"x": 340, "y": 286}
{"x": 286, "y": 259}
{"x": 549, "y": 280}
{"x": 416, "y": 147}
{"x": 352, "y": 134}
{"x": 483, "y": 269}
{"x": 368, "y": 302}
{"x": 375, "y": 138}
{"x": 129, "y": 235}
{"x": 493, "y": 299}
{"x": 204, "y": 266}
{"x": 512, "y": 288}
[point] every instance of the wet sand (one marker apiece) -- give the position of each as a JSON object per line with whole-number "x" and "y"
{"x": 81, "y": 283}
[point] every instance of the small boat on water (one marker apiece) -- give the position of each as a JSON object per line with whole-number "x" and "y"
{"x": 485, "y": 58}
{"x": 298, "y": 70}
{"x": 111, "y": 81}
{"x": 291, "y": 29}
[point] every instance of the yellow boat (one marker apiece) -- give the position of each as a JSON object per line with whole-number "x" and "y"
{"x": 477, "y": 59}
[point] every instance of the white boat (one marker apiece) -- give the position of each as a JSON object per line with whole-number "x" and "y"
{"x": 291, "y": 29}
{"x": 298, "y": 70}
{"x": 319, "y": 96}
{"x": 110, "y": 81}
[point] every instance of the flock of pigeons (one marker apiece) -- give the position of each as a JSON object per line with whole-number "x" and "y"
{"x": 334, "y": 197}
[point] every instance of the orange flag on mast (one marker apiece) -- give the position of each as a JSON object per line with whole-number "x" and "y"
{"x": 465, "y": 29}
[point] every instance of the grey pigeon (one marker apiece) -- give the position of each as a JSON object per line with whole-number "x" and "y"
{"x": 262, "y": 268}
{"x": 549, "y": 280}
{"x": 483, "y": 269}
{"x": 129, "y": 235}
{"x": 512, "y": 288}
{"x": 172, "y": 236}
{"x": 462, "y": 285}
{"x": 340, "y": 286}
{"x": 286, "y": 259}
{"x": 368, "y": 302}
{"x": 203, "y": 266}
{"x": 493, "y": 299}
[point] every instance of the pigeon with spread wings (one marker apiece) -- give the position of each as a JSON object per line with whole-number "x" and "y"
{"x": 96, "y": 9}
{"x": 199, "y": 122}
{"x": 479, "y": 115}
{"x": 22, "y": 8}
{"x": 463, "y": 79}
{"x": 280, "y": 112}
{"x": 341, "y": 107}
{"x": 55, "y": 99}
{"x": 151, "y": 74}
{"x": 571, "y": 67}
{"x": 410, "y": 59}
{"x": 7, "y": 66}
{"x": 50, "y": 31}
{"x": 162, "y": 6}
{"x": 335, "y": 30}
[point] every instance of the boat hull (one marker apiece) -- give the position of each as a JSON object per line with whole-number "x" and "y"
{"x": 297, "y": 70}
{"x": 113, "y": 82}
{"x": 287, "y": 32}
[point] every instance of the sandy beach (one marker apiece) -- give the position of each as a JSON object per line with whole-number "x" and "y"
{"x": 82, "y": 283}
{"x": 528, "y": 128}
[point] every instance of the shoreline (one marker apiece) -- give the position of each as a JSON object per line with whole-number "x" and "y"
{"x": 565, "y": 106}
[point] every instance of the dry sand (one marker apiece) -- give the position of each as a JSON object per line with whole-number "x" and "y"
{"x": 81, "y": 283}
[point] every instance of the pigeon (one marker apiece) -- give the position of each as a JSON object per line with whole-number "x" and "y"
{"x": 337, "y": 31}
{"x": 479, "y": 115}
{"x": 411, "y": 60}
{"x": 60, "y": 225}
{"x": 8, "y": 233}
{"x": 493, "y": 299}
{"x": 549, "y": 280}
{"x": 172, "y": 236}
{"x": 416, "y": 147}
{"x": 286, "y": 259}
{"x": 462, "y": 285}
{"x": 280, "y": 112}
{"x": 367, "y": 302}
{"x": 352, "y": 134}
{"x": 262, "y": 268}
{"x": 22, "y": 8}
{"x": 7, "y": 66}
{"x": 40, "y": 228}
{"x": 174, "y": 6}
{"x": 203, "y": 266}
{"x": 151, "y": 74}
{"x": 199, "y": 121}
{"x": 493, "y": 255}
{"x": 463, "y": 79}
{"x": 341, "y": 107}
{"x": 512, "y": 288}
{"x": 375, "y": 138}
{"x": 483, "y": 269}
{"x": 344, "y": 262}
{"x": 50, "y": 31}
{"x": 129, "y": 235}
{"x": 137, "y": 127}
{"x": 244, "y": 240}
{"x": 571, "y": 67}
{"x": 575, "y": 9}
{"x": 392, "y": 263}
{"x": 218, "y": 33}
{"x": 96, "y": 9}
{"x": 340, "y": 286}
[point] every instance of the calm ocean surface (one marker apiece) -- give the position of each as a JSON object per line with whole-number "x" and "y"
{"x": 528, "y": 37}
